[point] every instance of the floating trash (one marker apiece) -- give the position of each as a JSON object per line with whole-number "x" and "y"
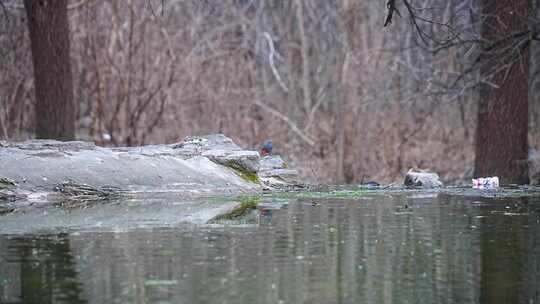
{"x": 486, "y": 182}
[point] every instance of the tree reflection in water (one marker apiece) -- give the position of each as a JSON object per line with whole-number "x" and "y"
{"x": 44, "y": 270}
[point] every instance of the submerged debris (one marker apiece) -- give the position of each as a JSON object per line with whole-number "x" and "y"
{"x": 83, "y": 195}
{"x": 7, "y": 195}
{"x": 6, "y": 183}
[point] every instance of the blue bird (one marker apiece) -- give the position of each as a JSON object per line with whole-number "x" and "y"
{"x": 266, "y": 147}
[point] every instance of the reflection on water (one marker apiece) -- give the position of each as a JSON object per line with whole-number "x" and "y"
{"x": 399, "y": 248}
{"x": 39, "y": 270}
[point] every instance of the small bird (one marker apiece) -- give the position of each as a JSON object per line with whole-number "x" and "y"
{"x": 266, "y": 147}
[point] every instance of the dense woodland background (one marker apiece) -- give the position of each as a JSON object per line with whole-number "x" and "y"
{"x": 343, "y": 98}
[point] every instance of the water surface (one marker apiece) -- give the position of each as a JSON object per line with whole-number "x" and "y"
{"x": 385, "y": 247}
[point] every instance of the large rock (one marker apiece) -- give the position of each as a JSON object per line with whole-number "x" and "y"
{"x": 44, "y": 164}
{"x": 271, "y": 162}
{"x": 422, "y": 179}
{"x": 274, "y": 173}
{"x": 198, "y": 166}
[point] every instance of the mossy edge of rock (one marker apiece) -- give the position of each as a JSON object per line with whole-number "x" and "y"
{"x": 251, "y": 177}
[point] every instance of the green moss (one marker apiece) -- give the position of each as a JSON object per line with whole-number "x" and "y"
{"x": 246, "y": 175}
{"x": 337, "y": 194}
{"x": 246, "y": 205}
{"x": 250, "y": 177}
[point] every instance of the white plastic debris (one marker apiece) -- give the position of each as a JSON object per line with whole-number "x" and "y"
{"x": 486, "y": 182}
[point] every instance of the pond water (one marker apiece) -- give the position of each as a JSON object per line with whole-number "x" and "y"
{"x": 375, "y": 247}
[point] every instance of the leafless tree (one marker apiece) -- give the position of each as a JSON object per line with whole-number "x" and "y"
{"x": 500, "y": 35}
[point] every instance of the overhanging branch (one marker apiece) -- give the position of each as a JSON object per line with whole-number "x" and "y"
{"x": 391, "y": 6}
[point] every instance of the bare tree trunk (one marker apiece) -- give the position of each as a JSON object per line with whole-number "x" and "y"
{"x": 501, "y": 137}
{"x": 49, "y": 37}
{"x": 306, "y": 78}
{"x": 340, "y": 120}
{"x": 343, "y": 97}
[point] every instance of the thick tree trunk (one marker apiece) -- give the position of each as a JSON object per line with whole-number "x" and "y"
{"x": 501, "y": 137}
{"x": 49, "y": 36}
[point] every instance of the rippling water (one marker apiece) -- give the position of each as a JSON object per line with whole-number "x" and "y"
{"x": 410, "y": 247}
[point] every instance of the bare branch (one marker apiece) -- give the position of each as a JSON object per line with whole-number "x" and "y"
{"x": 4, "y": 9}
{"x": 288, "y": 121}
{"x": 271, "y": 60}
{"x": 391, "y": 7}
